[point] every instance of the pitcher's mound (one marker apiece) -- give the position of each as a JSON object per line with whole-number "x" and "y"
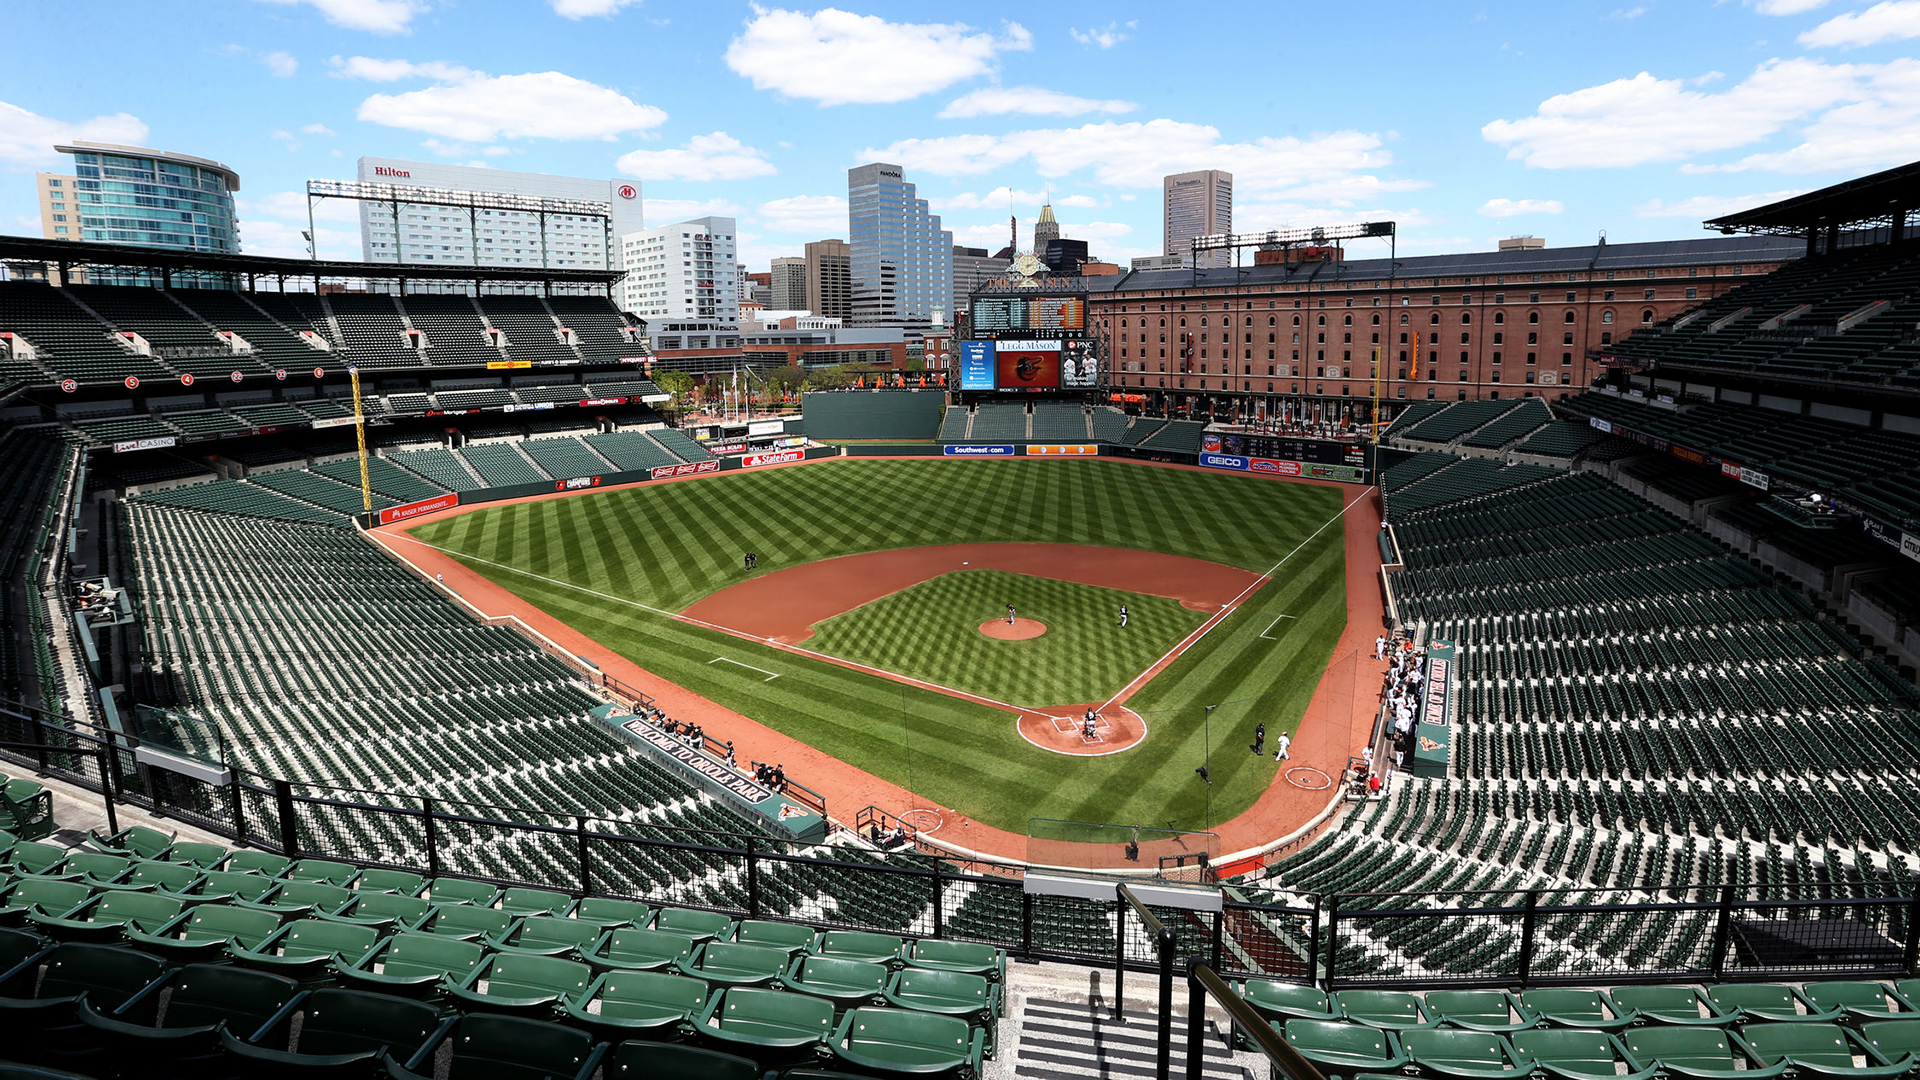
{"x": 1062, "y": 730}
{"x": 1017, "y": 630}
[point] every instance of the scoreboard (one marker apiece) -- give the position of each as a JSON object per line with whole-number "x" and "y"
{"x": 1030, "y": 316}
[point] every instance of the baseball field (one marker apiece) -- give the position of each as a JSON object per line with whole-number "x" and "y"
{"x": 620, "y": 566}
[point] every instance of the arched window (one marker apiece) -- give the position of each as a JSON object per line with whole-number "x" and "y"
{"x": 1533, "y": 317}
{"x": 1376, "y": 318}
{"x": 1569, "y": 319}
{"x": 1320, "y": 320}
{"x": 1296, "y": 320}
{"x": 1607, "y": 317}
{"x": 1499, "y": 318}
{"x": 1434, "y": 319}
{"x": 1403, "y": 318}
{"x": 1466, "y": 318}
{"x": 1646, "y": 317}
{"x": 1270, "y": 321}
{"x": 1347, "y": 321}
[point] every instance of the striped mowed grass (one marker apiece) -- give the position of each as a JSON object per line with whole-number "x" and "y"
{"x": 618, "y": 560}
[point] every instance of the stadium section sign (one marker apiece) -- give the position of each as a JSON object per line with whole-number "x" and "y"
{"x": 414, "y": 509}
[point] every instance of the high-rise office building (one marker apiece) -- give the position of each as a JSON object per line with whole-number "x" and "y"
{"x": 682, "y": 271}
{"x": 901, "y": 260}
{"x": 830, "y": 279}
{"x": 789, "y": 284}
{"x": 1197, "y": 204}
{"x": 460, "y": 215}
{"x": 147, "y": 198}
{"x": 1045, "y": 229}
{"x": 972, "y": 268}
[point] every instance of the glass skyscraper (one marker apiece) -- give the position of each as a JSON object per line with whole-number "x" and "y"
{"x": 901, "y": 260}
{"x": 153, "y": 198}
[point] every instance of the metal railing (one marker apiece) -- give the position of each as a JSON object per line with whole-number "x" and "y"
{"x": 1204, "y": 983}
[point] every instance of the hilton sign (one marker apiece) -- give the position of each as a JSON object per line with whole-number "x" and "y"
{"x": 382, "y": 170}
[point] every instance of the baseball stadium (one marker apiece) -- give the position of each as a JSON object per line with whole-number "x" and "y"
{"x": 398, "y": 681}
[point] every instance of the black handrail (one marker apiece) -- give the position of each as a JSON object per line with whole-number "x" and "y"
{"x": 1163, "y": 942}
{"x": 1203, "y": 983}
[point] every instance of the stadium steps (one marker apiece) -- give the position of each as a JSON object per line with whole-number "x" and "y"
{"x": 1055, "y": 1039}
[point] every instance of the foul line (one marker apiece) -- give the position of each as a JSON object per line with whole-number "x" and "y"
{"x": 1232, "y": 605}
{"x": 770, "y": 676}
{"x": 1270, "y": 627}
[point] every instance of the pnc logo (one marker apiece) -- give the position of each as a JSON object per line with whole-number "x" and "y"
{"x": 626, "y": 191}
{"x": 383, "y": 170}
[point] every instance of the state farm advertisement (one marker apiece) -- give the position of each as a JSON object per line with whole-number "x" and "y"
{"x": 775, "y": 458}
{"x": 414, "y": 509}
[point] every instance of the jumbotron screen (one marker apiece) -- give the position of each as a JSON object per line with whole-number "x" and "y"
{"x": 1030, "y": 316}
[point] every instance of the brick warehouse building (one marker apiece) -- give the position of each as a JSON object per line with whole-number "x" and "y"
{"x": 1278, "y": 338}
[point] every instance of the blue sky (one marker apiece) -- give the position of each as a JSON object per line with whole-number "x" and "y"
{"x": 1464, "y": 122}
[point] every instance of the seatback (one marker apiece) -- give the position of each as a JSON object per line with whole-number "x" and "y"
{"x": 908, "y": 1037}
{"x": 653, "y": 988}
{"x": 516, "y": 974}
{"x": 1687, "y": 1047}
{"x": 210, "y": 993}
{"x": 425, "y": 954}
{"x": 351, "y": 1022}
{"x": 510, "y": 1048}
{"x": 523, "y": 901}
{"x": 858, "y": 945}
{"x": 1822, "y": 1045}
{"x": 52, "y": 897}
{"x": 670, "y": 1061}
{"x": 144, "y": 911}
{"x": 106, "y": 974}
{"x": 1577, "y": 1049}
{"x": 242, "y": 925}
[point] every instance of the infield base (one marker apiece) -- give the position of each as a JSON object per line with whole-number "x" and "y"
{"x": 1061, "y": 729}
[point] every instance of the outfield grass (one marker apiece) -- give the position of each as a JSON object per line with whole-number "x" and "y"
{"x": 932, "y": 631}
{"x": 665, "y": 546}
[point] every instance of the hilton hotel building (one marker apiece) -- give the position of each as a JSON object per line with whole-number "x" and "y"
{"x": 463, "y": 235}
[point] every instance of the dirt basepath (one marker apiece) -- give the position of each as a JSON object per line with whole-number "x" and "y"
{"x": 786, "y": 605}
{"x": 1337, "y": 723}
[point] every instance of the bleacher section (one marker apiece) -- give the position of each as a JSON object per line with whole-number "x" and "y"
{"x": 441, "y": 467}
{"x": 384, "y": 477}
{"x": 1560, "y": 439}
{"x": 71, "y": 344}
{"x": 243, "y": 498}
{"x": 1524, "y": 419}
{"x": 455, "y": 335}
{"x": 499, "y": 464}
{"x": 1180, "y": 435}
{"x": 596, "y": 326}
{"x": 564, "y": 458}
{"x": 999, "y": 422}
{"x": 529, "y": 328}
{"x": 1144, "y": 427}
{"x": 631, "y": 450}
{"x": 1411, "y": 416}
{"x": 320, "y": 491}
{"x": 273, "y": 344}
{"x": 1062, "y": 421}
{"x": 179, "y": 338}
{"x": 679, "y": 445}
{"x": 953, "y": 425}
{"x": 1109, "y": 425}
{"x": 371, "y": 330}
{"x": 38, "y": 464}
{"x": 1449, "y": 423}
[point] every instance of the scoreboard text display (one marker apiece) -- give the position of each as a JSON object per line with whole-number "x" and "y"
{"x": 1035, "y": 316}
{"x": 1027, "y": 365}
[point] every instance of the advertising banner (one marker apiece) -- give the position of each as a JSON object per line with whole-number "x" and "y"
{"x": 776, "y": 813}
{"x": 1685, "y": 454}
{"x": 1026, "y": 365}
{"x": 1224, "y": 461}
{"x": 333, "y": 421}
{"x": 976, "y": 365}
{"x": 1274, "y": 468}
{"x": 414, "y": 509}
{"x": 1063, "y": 450}
{"x": 508, "y": 365}
{"x": 1079, "y": 368}
{"x": 592, "y": 401}
{"x": 1433, "y": 730}
{"x": 528, "y": 406}
{"x": 576, "y": 483}
{"x": 1753, "y": 477}
{"x": 996, "y": 450}
{"x": 127, "y": 445}
{"x": 1600, "y": 425}
{"x": 1910, "y": 546}
{"x": 685, "y": 468}
{"x": 775, "y": 458}
{"x": 766, "y": 427}
{"x": 1345, "y": 474}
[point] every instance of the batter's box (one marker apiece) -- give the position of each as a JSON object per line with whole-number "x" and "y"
{"x": 1076, "y": 728}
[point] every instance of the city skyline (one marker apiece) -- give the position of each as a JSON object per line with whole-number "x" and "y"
{"x": 1465, "y": 124}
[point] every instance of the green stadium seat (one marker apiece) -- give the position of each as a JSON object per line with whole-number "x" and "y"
{"x": 639, "y": 1004}
{"x": 899, "y": 1042}
{"x": 34, "y": 857}
{"x": 461, "y": 891}
{"x": 951, "y": 993}
{"x": 666, "y": 1061}
{"x": 297, "y": 899}
{"x": 776, "y": 1028}
{"x": 1458, "y": 1054}
{"x": 264, "y": 863}
{"x": 523, "y": 985}
{"x": 1696, "y": 1053}
{"x": 342, "y": 1033}
{"x": 156, "y": 874}
{"x": 108, "y": 916}
{"x": 860, "y": 945}
{"x": 1387, "y": 1009}
{"x": 203, "y": 999}
{"x": 384, "y": 911}
{"x": 7, "y": 840}
{"x": 466, "y": 921}
{"x": 1575, "y": 1008}
{"x": 403, "y": 882}
{"x": 698, "y": 925}
{"x": 45, "y": 1018}
{"x": 1892, "y": 1039}
{"x": 1479, "y": 1010}
{"x": 788, "y": 937}
{"x": 1344, "y": 1048}
{"x": 1576, "y": 1053}
{"x": 1667, "y": 1005}
{"x": 412, "y": 963}
{"x": 1285, "y": 1001}
{"x": 305, "y": 948}
{"x": 640, "y": 950}
{"x": 323, "y": 870}
{"x": 16, "y": 948}
{"x": 548, "y": 935}
{"x": 204, "y": 931}
{"x": 726, "y": 964}
{"x": 523, "y": 901}
{"x": 504, "y": 1048}
{"x": 135, "y": 840}
{"x": 1821, "y": 1051}
{"x": 967, "y": 956}
{"x": 195, "y": 853}
{"x": 1860, "y": 1000}
{"x": 92, "y": 867}
{"x": 220, "y": 886}
{"x": 846, "y": 983}
{"x": 611, "y": 914}
{"x": 28, "y": 808}
{"x": 42, "y": 896}
{"x": 1767, "y": 1002}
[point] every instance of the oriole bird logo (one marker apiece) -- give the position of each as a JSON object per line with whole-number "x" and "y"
{"x": 1029, "y": 369}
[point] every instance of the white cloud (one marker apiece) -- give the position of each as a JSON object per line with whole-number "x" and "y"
{"x": 816, "y": 215}
{"x": 1000, "y": 198}
{"x": 665, "y": 211}
{"x": 836, "y": 57}
{"x": 1627, "y": 13}
{"x": 373, "y": 69}
{"x": 718, "y": 156}
{"x": 319, "y": 129}
{"x": 1891, "y": 20}
{"x": 1502, "y": 208}
{"x": 1138, "y": 153}
{"x": 544, "y": 104}
{"x": 27, "y": 139}
{"x": 282, "y": 64}
{"x": 1032, "y": 100}
{"x": 582, "y": 9}
{"x": 1786, "y": 7}
{"x": 377, "y": 16}
{"x": 292, "y": 206}
{"x": 1643, "y": 119}
{"x": 1107, "y": 38}
{"x": 1880, "y": 127}
{"x": 287, "y": 138}
{"x": 1702, "y": 207}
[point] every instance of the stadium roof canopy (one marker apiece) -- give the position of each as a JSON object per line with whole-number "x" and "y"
{"x": 1884, "y": 198}
{"x": 70, "y": 253}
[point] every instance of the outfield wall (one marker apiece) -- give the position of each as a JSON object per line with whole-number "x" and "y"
{"x": 872, "y": 414}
